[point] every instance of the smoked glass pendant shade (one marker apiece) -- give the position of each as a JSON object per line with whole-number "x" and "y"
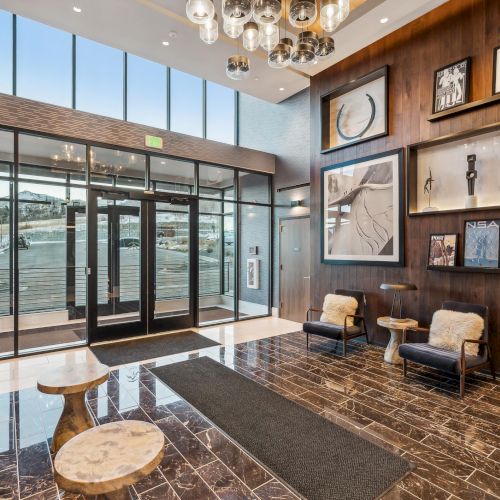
{"x": 267, "y": 11}
{"x": 302, "y": 13}
{"x": 326, "y": 47}
{"x": 302, "y": 53}
{"x": 238, "y": 67}
{"x": 200, "y": 11}
{"x": 279, "y": 57}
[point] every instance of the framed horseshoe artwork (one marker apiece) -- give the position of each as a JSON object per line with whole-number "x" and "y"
{"x": 355, "y": 112}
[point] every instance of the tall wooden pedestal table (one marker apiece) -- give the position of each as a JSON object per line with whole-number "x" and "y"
{"x": 395, "y": 328}
{"x": 72, "y": 381}
{"x": 107, "y": 459}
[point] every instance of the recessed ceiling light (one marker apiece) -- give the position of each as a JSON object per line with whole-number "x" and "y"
{"x": 166, "y": 43}
{"x": 384, "y": 20}
{"x": 172, "y": 34}
{"x": 77, "y": 9}
{"x": 256, "y": 78}
{"x": 282, "y": 89}
{"x": 315, "y": 61}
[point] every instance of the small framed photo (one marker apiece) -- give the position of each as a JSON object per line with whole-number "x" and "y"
{"x": 442, "y": 250}
{"x": 451, "y": 85}
{"x": 253, "y": 268}
{"x": 496, "y": 70}
{"x": 482, "y": 243}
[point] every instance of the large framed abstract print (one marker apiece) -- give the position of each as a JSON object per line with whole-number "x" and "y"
{"x": 482, "y": 243}
{"x": 362, "y": 211}
{"x": 355, "y": 112}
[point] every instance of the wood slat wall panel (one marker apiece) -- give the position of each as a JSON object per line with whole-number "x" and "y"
{"x": 455, "y": 30}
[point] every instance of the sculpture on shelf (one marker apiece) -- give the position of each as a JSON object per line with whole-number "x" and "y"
{"x": 428, "y": 192}
{"x": 471, "y": 176}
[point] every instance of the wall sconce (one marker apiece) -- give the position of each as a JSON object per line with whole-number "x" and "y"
{"x": 297, "y": 203}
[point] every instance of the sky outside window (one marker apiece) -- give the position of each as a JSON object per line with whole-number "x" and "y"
{"x": 5, "y": 52}
{"x": 186, "y": 103}
{"x": 220, "y": 113}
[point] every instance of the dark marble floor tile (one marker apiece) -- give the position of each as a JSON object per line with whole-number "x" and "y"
{"x": 50, "y": 494}
{"x": 274, "y": 490}
{"x": 173, "y": 463}
{"x": 223, "y": 482}
{"x": 154, "y": 479}
{"x": 486, "y": 482}
{"x": 422, "y": 488}
{"x": 191, "y": 448}
{"x": 104, "y": 410}
{"x": 190, "y": 486}
{"x": 35, "y": 469}
{"x": 8, "y": 484}
{"x": 163, "y": 492}
{"x": 249, "y": 471}
{"x": 495, "y": 456}
{"x": 188, "y": 416}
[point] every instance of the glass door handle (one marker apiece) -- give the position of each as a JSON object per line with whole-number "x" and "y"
{"x": 89, "y": 271}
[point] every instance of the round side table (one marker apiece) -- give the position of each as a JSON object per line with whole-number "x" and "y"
{"x": 107, "y": 459}
{"x": 72, "y": 381}
{"x": 396, "y": 328}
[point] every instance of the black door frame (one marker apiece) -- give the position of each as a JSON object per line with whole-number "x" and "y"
{"x": 146, "y": 323}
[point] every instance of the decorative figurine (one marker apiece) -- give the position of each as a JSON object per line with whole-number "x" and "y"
{"x": 471, "y": 176}
{"x": 428, "y": 192}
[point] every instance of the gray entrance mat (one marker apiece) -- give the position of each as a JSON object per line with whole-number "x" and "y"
{"x": 319, "y": 459}
{"x": 150, "y": 347}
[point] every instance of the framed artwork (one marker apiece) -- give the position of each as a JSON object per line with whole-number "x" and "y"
{"x": 442, "y": 250}
{"x": 451, "y": 85}
{"x": 482, "y": 243}
{"x": 496, "y": 70}
{"x": 355, "y": 112}
{"x": 253, "y": 273}
{"x": 362, "y": 211}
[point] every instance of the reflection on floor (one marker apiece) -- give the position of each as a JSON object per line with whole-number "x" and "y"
{"x": 454, "y": 443}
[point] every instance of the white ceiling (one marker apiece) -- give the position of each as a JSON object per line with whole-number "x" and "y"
{"x": 140, "y": 26}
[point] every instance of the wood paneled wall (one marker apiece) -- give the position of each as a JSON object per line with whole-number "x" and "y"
{"x": 455, "y": 30}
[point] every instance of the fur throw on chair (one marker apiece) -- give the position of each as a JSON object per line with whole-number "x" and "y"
{"x": 450, "y": 328}
{"x": 337, "y": 307}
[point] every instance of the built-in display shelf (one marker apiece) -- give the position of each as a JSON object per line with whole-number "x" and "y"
{"x": 462, "y": 269}
{"x": 487, "y": 101}
{"x": 455, "y": 211}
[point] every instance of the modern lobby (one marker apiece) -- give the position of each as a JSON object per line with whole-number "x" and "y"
{"x": 249, "y": 249}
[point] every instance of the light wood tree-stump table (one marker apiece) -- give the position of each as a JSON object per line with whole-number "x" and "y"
{"x": 107, "y": 459}
{"x": 395, "y": 328}
{"x": 72, "y": 381}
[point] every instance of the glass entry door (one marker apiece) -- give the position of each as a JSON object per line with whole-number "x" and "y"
{"x": 141, "y": 256}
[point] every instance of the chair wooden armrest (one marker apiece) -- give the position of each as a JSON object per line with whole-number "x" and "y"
{"x": 355, "y": 316}
{"x": 417, "y": 329}
{"x": 311, "y": 310}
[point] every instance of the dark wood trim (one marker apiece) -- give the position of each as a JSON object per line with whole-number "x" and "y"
{"x": 463, "y": 269}
{"x": 494, "y": 82}
{"x": 481, "y": 103}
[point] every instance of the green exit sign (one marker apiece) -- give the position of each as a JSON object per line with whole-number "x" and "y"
{"x": 153, "y": 141}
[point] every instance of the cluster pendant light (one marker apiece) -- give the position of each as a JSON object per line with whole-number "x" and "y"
{"x": 258, "y": 24}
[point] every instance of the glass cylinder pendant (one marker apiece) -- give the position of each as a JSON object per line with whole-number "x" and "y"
{"x": 200, "y": 11}
{"x": 332, "y": 13}
{"x": 302, "y": 53}
{"x": 269, "y": 36}
{"x": 326, "y": 47}
{"x": 251, "y": 36}
{"x": 302, "y": 13}
{"x": 237, "y": 11}
{"x": 209, "y": 31}
{"x": 308, "y": 37}
{"x": 232, "y": 30}
{"x": 279, "y": 57}
{"x": 267, "y": 11}
{"x": 238, "y": 67}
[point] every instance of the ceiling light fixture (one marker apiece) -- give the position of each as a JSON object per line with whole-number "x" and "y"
{"x": 264, "y": 31}
{"x": 282, "y": 89}
{"x": 384, "y": 20}
{"x": 166, "y": 43}
{"x": 77, "y": 9}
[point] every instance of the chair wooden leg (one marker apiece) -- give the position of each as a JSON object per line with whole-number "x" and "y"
{"x": 307, "y": 337}
{"x": 405, "y": 367}
{"x": 492, "y": 368}
{"x": 462, "y": 383}
{"x": 345, "y": 347}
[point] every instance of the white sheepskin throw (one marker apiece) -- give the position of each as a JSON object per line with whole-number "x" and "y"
{"x": 337, "y": 307}
{"x": 450, "y": 328}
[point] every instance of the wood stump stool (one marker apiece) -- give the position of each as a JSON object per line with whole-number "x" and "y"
{"x": 107, "y": 459}
{"x": 72, "y": 381}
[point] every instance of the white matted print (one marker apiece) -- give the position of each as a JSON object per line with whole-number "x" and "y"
{"x": 496, "y": 70}
{"x": 253, "y": 267}
{"x": 362, "y": 211}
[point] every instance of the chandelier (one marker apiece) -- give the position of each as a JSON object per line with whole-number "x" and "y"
{"x": 263, "y": 23}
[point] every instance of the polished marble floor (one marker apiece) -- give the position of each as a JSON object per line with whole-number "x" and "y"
{"x": 455, "y": 444}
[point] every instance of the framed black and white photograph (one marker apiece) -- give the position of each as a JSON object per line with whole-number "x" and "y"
{"x": 442, "y": 250}
{"x": 482, "y": 243}
{"x": 355, "y": 112}
{"x": 451, "y": 85}
{"x": 496, "y": 70}
{"x": 253, "y": 273}
{"x": 362, "y": 211}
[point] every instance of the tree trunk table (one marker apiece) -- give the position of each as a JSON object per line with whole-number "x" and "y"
{"x": 395, "y": 328}
{"x": 72, "y": 381}
{"x": 109, "y": 458}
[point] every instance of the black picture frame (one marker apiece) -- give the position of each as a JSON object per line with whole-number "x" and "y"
{"x": 495, "y": 89}
{"x": 399, "y": 262}
{"x": 466, "y": 262}
{"x": 325, "y": 99}
{"x": 444, "y": 235}
{"x": 468, "y": 61}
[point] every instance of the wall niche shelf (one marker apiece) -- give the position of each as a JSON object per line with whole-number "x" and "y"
{"x": 446, "y": 158}
{"x": 481, "y": 103}
{"x": 462, "y": 269}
